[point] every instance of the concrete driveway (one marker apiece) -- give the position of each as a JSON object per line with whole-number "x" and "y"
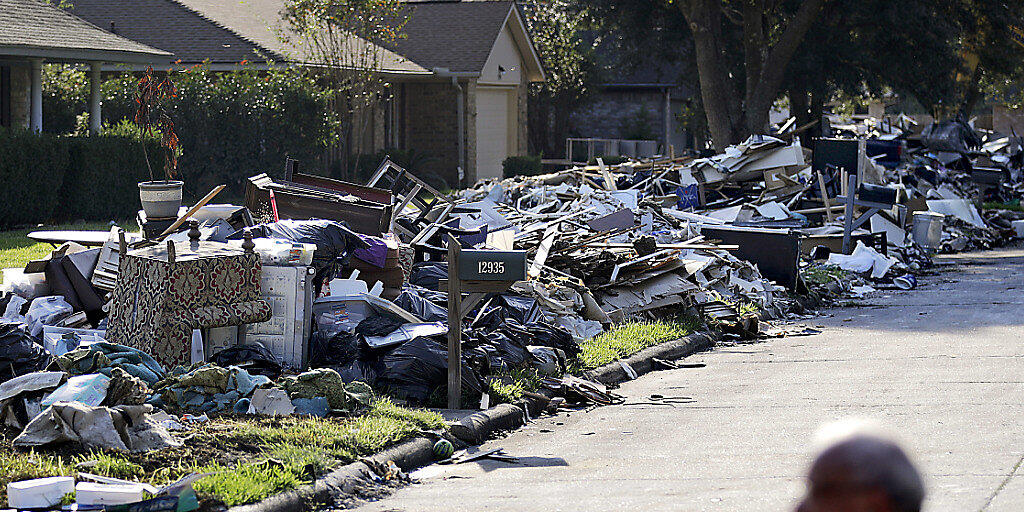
{"x": 943, "y": 366}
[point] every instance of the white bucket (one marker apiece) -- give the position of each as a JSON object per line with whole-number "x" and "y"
{"x": 927, "y": 229}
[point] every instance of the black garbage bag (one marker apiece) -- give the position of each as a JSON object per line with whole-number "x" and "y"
{"x": 428, "y": 273}
{"x": 20, "y": 353}
{"x": 334, "y": 242}
{"x": 502, "y": 308}
{"x": 502, "y": 352}
{"x": 254, "y": 357}
{"x": 420, "y": 302}
{"x": 378, "y": 325}
{"x": 331, "y": 350}
{"x": 359, "y": 370}
{"x": 953, "y": 135}
{"x": 540, "y": 334}
{"x": 417, "y": 369}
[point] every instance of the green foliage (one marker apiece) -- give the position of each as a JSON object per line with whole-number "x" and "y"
{"x": 32, "y": 168}
{"x": 231, "y": 125}
{"x": 609, "y": 160}
{"x": 1012, "y": 206}
{"x": 52, "y": 178}
{"x": 627, "y": 339}
{"x": 559, "y": 29}
{"x": 509, "y": 387}
{"x": 823, "y": 274}
{"x": 637, "y": 126}
{"x": 362, "y": 166}
{"x": 521, "y": 166}
{"x": 247, "y": 483}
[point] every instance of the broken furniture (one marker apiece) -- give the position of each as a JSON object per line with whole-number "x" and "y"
{"x": 55, "y": 238}
{"x": 166, "y": 291}
{"x": 269, "y": 198}
{"x": 776, "y": 252}
{"x": 431, "y": 208}
{"x": 873, "y": 197}
{"x": 289, "y": 291}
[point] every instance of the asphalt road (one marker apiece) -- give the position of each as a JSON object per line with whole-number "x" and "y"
{"x": 942, "y": 365}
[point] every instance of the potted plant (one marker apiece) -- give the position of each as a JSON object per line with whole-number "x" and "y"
{"x": 160, "y": 198}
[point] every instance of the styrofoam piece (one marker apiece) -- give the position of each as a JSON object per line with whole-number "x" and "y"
{"x": 353, "y": 286}
{"x": 91, "y": 494}
{"x": 39, "y": 493}
{"x": 1018, "y": 226}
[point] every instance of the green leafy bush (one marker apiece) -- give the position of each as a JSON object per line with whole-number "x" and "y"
{"x": 50, "y": 178}
{"x": 521, "y": 166}
{"x": 32, "y": 168}
{"x": 231, "y": 125}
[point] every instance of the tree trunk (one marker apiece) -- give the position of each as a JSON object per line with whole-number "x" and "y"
{"x": 717, "y": 89}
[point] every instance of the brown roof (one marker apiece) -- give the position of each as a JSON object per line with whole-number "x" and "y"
{"x": 34, "y": 28}
{"x": 452, "y": 34}
{"x": 171, "y": 26}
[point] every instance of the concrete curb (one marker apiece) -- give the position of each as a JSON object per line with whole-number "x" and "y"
{"x": 643, "y": 362}
{"x": 406, "y": 455}
{"x": 473, "y": 429}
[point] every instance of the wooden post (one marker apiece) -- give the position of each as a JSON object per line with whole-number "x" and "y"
{"x": 824, "y": 197}
{"x": 454, "y": 325}
{"x": 851, "y": 190}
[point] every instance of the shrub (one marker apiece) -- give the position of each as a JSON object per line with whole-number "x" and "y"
{"x": 32, "y": 168}
{"x": 231, "y": 125}
{"x": 101, "y": 182}
{"x": 521, "y": 166}
{"x": 52, "y": 178}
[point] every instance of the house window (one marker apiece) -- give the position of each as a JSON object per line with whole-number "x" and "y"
{"x": 5, "y": 95}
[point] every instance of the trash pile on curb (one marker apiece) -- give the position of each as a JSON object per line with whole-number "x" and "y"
{"x": 318, "y": 293}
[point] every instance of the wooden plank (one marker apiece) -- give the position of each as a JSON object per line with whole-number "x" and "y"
{"x": 454, "y": 326}
{"x": 542, "y": 251}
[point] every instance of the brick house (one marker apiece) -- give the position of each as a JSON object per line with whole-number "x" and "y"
{"x": 468, "y": 60}
{"x": 33, "y": 32}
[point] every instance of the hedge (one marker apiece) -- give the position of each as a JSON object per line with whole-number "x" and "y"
{"x": 65, "y": 178}
{"x": 521, "y": 166}
{"x": 231, "y": 125}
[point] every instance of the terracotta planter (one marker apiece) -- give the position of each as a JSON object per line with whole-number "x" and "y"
{"x": 160, "y": 199}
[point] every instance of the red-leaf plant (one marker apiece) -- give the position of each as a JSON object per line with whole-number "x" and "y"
{"x": 150, "y": 93}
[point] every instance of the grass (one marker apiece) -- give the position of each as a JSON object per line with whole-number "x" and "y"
{"x": 16, "y": 249}
{"x": 251, "y": 458}
{"x": 509, "y": 387}
{"x": 1013, "y": 206}
{"x": 629, "y": 338}
{"x": 824, "y": 274}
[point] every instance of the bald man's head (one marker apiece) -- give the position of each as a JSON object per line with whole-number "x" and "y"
{"x": 863, "y": 474}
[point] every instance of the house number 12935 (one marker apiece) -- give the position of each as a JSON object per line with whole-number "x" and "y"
{"x": 491, "y": 267}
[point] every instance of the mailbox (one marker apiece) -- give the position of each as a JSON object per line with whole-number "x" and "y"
{"x": 477, "y": 265}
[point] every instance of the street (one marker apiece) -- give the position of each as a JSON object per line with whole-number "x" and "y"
{"x": 943, "y": 366}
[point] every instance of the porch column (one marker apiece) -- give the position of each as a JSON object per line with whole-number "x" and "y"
{"x": 36, "y": 99}
{"x": 95, "y": 110}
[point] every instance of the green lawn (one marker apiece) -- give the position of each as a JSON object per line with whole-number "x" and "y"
{"x": 16, "y": 249}
{"x": 629, "y": 338}
{"x": 252, "y": 458}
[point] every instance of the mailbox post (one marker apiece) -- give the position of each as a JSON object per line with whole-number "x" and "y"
{"x": 476, "y": 273}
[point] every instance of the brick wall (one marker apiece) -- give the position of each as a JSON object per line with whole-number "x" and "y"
{"x": 607, "y": 114}
{"x": 21, "y": 87}
{"x": 431, "y": 127}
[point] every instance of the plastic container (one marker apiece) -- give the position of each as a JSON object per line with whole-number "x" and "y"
{"x": 927, "y": 229}
{"x": 61, "y": 340}
{"x": 89, "y": 494}
{"x": 39, "y": 493}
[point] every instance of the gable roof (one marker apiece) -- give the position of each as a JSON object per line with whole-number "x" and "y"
{"x": 34, "y": 28}
{"x": 174, "y": 27}
{"x": 454, "y": 34}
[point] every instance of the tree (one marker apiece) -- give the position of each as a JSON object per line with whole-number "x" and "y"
{"x": 737, "y": 97}
{"x": 347, "y": 41}
{"x": 558, "y": 31}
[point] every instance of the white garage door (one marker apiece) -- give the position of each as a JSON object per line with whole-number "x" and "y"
{"x": 492, "y": 130}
